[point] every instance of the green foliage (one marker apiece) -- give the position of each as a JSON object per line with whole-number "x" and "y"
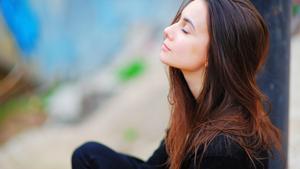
{"x": 49, "y": 92}
{"x": 21, "y": 104}
{"x": 26, "y": 103}
{"x": 131, "y": 70}
{"x": 295, "y": 9}
{"x": 130, "y": 134}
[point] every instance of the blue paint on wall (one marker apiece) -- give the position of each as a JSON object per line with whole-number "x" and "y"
{"x": 67, "y": 38}
{"x": 22, "y": 22}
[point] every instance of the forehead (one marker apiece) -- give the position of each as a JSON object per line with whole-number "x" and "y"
{"x": 197, "y": 12}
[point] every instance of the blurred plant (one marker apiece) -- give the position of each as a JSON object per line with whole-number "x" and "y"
{"x": 295, "y": 9}
{"x": 24, "y": 111}
{"x": 131, "y": 70}
{"x": 130, "y": 134}
{"x": 47, "y": 93}
{"x": 20, "y": 113}
{"x": 295, "y": 20}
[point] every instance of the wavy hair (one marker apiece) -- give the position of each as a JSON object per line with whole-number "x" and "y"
{"x": 230, "y": 102}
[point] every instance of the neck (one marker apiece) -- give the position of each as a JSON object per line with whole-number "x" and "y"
{"x": 195, "y": 81}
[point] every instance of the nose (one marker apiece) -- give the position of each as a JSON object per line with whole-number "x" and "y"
{"x": 168, "y": 33}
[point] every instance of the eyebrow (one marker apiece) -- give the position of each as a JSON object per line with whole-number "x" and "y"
{"x": 189, "y": 21}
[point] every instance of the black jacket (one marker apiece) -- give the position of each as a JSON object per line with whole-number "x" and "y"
{"x": 221, "y": 153}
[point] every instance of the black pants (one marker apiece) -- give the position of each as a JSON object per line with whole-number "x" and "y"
{"x": 92, "y": 155}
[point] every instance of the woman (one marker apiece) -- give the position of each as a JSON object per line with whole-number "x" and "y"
{"x": 214, "y": 49}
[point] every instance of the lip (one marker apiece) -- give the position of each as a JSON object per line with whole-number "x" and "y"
{"x": 165, "y": 47}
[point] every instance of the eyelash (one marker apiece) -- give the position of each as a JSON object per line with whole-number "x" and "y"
{"x": 184, "y": 31}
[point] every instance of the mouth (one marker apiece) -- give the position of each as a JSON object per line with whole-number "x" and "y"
{"x": 165, "y": 47}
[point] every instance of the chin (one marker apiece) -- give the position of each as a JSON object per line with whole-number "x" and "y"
{"x": 163, "y": 59}
{"x": 167, "y": 60}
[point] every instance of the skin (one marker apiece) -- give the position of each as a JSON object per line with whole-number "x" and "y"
{"x": 186, "y": 44}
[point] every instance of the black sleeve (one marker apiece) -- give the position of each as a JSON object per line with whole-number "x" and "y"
{"x": 159, "y": 157}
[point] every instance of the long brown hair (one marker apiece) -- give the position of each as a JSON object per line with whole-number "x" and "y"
{"x": 230, "y": 102}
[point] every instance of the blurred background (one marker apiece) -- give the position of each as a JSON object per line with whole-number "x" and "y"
{"x": 72, "y": 71}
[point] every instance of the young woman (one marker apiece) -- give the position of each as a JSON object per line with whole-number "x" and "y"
{"x": 214, "y": 50}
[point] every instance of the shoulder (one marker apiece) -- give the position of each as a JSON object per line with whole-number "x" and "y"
{"x": 222, "y": 152}
{"x": 220, "y": 146}
{"x": 224, "y": 146}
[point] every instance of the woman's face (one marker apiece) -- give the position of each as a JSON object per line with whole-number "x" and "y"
{"x": 186, "y": 41}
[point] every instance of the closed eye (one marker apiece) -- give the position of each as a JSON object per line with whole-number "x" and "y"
{"x": 184, "y": 31}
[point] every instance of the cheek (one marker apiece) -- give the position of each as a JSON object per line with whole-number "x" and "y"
{"x": 192, "y": 56}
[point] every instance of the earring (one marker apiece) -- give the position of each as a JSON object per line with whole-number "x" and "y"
{"x": 206, "y": 64}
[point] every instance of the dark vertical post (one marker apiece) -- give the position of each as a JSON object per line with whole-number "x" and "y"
{"x": 274, "y": 80}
